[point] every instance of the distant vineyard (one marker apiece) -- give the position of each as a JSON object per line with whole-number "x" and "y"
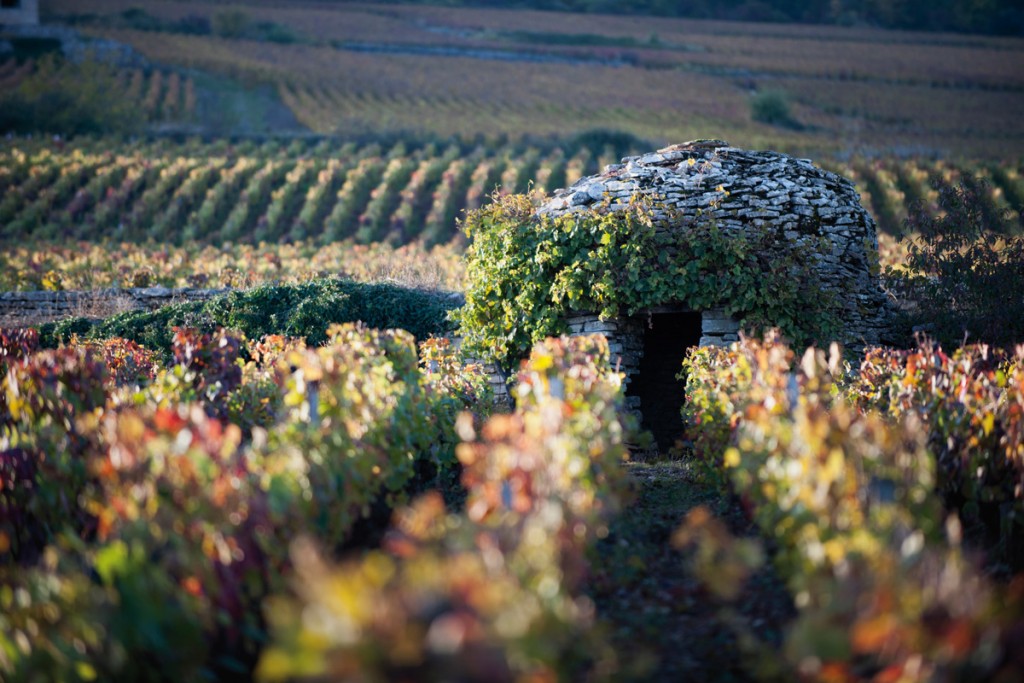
{"x": 161, "y": 95}
{"x": 360, "y": 68}
{"x": 890, "y": 188}
{"x": 270, "y": 192}
{"x": 34, "y": 266}
{"x": 364, "y": 193}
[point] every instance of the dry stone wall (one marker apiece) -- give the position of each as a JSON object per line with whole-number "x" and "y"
{"x": 625, "y": 343}
{"x": 711, "y": 181}
{"x": 31, "y": 308}
{"x": 718, "y": 328}
{"x": 23, "y": 13}
{"x": 626, "y": 339}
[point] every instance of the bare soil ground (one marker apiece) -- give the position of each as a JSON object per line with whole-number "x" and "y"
{"x": 664, "y": 625}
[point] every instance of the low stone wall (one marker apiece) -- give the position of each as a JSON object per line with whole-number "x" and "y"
{"x": 717, "y": 328}
{"x": 626, "y": 338}
{"x": 33, "y": 308}
{"x": 499, "y": 385}
{"x": 625, "y": 344}
{"x": 26, "y": 13}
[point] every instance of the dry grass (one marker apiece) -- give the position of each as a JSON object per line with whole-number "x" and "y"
{"x": 88, "y": 305}
{"x": 99, "y": 305}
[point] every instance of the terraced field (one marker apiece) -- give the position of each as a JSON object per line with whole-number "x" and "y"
{"x": 352, "y": 68}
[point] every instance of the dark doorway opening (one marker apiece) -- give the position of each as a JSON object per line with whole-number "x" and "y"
{"x": 667, "y": 337}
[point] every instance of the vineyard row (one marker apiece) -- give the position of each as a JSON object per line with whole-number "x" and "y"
{"x": 202, "y": 504}
{"x": 162, "y": 95}
{"x": 367, "y": 193}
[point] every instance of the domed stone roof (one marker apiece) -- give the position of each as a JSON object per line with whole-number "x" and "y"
{"x": 711, "y": 181}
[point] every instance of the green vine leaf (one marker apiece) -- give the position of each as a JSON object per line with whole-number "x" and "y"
{"x": 610, "y": 262}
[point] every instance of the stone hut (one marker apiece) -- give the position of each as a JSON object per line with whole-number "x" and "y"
{"x": 765, "y": 189}
{"x": 19, "y": 12}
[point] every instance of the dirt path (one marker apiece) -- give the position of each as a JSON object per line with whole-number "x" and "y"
{"x": 664, "y": 625}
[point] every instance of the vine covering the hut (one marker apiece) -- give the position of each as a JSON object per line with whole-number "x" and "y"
{"x": 526, "y": 272}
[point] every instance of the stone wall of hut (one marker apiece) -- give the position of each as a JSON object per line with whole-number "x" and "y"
{"x": 737, "y": 189}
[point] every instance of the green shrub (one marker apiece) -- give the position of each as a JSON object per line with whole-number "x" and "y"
{"x": 238, "y": 24}
{"x": 34, "y": 48}
{"x": 772, "y": 107}
{"x": 308, "y": 309}
{"x": 599, "y": 139}
{"x": 68, "y": 327}
{"x": 154, "y": 329}
{"x": 141, "y": 20}
{"x": 231, "y": 24}
{"x": 302, "y": 310}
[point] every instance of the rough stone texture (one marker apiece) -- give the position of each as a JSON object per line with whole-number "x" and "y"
{"x": 39, "y": 307}
{"x": 802, "y": 202}
{"x": 26, "y": 13}
{"x": 499, "y": 386}
{"x": 718, "y": 328}
{"x": 625, "y": 338}
{"x": 625, "y": 343}
{"x": 793, "y": 197}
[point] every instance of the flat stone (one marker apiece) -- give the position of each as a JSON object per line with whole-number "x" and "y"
{"x": 153, "y": 292}
{"x": 713, "y": 326}
{"x": 601, "y": 326}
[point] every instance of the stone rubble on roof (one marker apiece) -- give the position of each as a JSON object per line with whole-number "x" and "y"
{"x": 709, "y": 180}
